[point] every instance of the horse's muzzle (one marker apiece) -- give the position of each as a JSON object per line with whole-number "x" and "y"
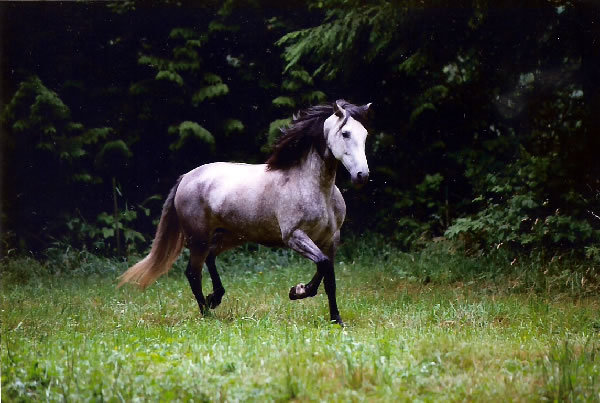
{"x": 360, "y": 179}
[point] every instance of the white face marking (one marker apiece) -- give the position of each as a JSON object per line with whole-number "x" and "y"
{"x": 347, "y": 144}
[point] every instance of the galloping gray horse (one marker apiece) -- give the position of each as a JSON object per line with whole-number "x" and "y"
{"x": 291, "y": 201}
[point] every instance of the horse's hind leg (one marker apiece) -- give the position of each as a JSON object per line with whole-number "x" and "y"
{"x": 214, "y": 299}
{"x": 194, "y": 274}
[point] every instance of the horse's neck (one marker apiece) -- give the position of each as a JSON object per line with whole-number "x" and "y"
{"x": 320, "y": 170}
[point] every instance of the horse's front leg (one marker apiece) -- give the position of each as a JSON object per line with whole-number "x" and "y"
{"x": 301, "y": 290}
{"x": 301, "y": 243}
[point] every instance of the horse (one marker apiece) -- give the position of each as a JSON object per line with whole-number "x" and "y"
{"x": 291, "y": 201}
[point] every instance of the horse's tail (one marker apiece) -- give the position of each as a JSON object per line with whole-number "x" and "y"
{"x": 166, "y": 247}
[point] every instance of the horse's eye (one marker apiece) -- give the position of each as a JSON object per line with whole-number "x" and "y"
{"x": 345, "y": 134}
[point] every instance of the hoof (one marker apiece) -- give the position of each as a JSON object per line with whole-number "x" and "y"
{"x": 214, "y": 300}
{"x": 301, "y": 291}
{"x": 337, "y": 320}
{"x": 298, "y": 292}
{"x": 204, "y": 309}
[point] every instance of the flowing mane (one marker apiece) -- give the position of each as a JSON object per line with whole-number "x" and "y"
{"x": 305, "y": 133}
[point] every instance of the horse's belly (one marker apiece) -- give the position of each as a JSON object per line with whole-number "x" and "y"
{"x": 247, "y": 214}
{"x": 251, "y": 230}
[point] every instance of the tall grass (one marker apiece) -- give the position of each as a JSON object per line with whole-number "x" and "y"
{"x": 572, "y": 372}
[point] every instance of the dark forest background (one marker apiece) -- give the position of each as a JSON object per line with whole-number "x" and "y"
{"x": 486, "y": 123}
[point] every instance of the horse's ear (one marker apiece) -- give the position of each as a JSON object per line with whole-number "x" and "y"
{"x": 338, "y": 110}
{"x": 364, "y": 110}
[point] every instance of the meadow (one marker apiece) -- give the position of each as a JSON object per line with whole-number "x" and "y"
{"x": 430, "y": 325}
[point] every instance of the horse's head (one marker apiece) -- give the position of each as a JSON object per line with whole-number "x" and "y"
{"x": 346, "y": 137}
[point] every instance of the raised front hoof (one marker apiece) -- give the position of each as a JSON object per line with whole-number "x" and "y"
{"x": 214, "y": 300}
{"x": 300, "y": 291}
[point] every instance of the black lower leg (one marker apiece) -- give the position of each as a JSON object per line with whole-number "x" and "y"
{"x": 214, "y": 299}
{"x": 195, "y": 279}
{"x": 313, "y": 285}
{"x": 326, "y": 267}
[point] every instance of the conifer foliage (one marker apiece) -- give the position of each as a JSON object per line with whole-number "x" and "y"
{"x": 485, "y": 123}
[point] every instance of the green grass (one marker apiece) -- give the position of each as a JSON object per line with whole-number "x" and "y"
{"x": 426, "y": 326}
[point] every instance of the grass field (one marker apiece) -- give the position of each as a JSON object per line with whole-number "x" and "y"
{"x": 428, "y": 326}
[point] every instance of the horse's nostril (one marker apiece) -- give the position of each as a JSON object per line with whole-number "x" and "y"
{"x": 362, "y": 177}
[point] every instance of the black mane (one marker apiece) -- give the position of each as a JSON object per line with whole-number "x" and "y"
{"x": 305, "y": 133}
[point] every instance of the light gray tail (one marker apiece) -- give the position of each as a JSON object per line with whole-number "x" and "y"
{"x": 166, "y": 247}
